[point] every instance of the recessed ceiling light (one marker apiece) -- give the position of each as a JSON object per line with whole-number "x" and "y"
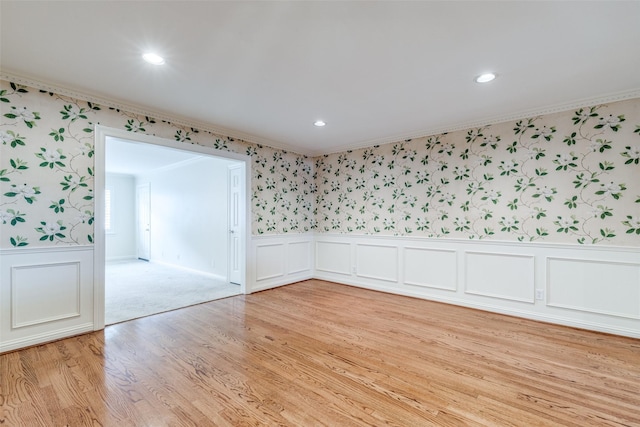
{"x": 485, "y": 78}
{"x": 153, "y": 58}
{"x": 319, "y": 123}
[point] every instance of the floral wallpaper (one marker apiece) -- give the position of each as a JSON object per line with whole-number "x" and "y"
{"x": 47, "y": 169}
{"x": 572, "y": 177}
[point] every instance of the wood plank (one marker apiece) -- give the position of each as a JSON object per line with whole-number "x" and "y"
{"x": 319, "y": 353}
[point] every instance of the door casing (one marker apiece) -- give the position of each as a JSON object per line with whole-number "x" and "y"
{"x": 102, "y": 134}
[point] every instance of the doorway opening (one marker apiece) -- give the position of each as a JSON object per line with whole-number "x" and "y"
{"x": 178, "y": 225}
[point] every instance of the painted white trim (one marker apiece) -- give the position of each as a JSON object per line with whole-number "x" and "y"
{"x": 14, "y": 294}
{"x": 222, "y": 131}
{"x": 45, "y": 337}
{"x": 492, "y": 308}
{"x": 518, "y": 115}
{"x": 26, "y": 250}
{"x": 144, "y": 111}
{"x": 422, "y": 285}
{"x": 359, "y": 267}
{"x": 527, "y": 280}
{"x": 578, "y": 308}
{"x": 501, "y": 243}
{"x": 530, "y": 300}
{"x": 284, "y": 245}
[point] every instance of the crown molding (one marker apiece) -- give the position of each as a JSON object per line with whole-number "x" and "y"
{"x": 255, "y": 139}
{"x": 136, "y": 109}
{"x": 524, "y": 114}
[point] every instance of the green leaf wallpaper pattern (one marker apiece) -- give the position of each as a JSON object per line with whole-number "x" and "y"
{"x": 566, "y": 178}
{"x": 571, "y": 177}
{"x": 46, "y": 169}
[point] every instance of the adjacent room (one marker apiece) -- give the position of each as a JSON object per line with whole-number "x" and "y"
{"x": 320, "y": 213}
{"x": 166, "y": 229}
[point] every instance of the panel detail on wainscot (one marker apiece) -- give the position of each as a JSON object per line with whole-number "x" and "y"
{"x": 299, "y": 257}
{"x": 333, "y": 257}
{"x": 500, "y": 275}
{"x": 42, "y": 293}
{"x": 604, "y": 287}
{"x": 270, "y": 261}
{"x": 378, "y": 262}
{"x": 431, "y": 268}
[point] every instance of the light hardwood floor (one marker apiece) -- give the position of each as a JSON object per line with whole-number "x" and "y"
{"x": 319, "y": 353}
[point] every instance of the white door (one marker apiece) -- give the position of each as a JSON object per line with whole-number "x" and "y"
{"x": 236, "y": 221}
{"x": 143, "y": 221}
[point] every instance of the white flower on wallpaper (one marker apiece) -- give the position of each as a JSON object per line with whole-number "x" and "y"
{"x": 567, "y": 178}
{"x": 570, "y": 177}
{"x": 47, "y": 168}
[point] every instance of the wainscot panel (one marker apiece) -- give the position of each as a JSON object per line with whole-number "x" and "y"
{"x": 589, "y": 287}
{"x": 378, "y": 262}
{"x": 280, "y": 260}
{"x": 333, "y": 257}
{"x": 500, "y": 275}
{"x": 45, "y": 294}
{"x": 431, "y": 268}
{"x": 607, "y": 287}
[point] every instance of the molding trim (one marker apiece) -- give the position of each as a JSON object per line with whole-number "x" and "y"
{"x": 451, "y": 252}
{"x": 45, "y": 249}
{"x": 233, "y": 133}
{"x": 45, "y": 337}
{"x": 76, "y": 312}
{"x": 444, "y": 240}
{"x": 532, "y": 258}
{"x": 524, "y": 114}
{"x": 145, "y": 111}
{"x": 583, "y": 309}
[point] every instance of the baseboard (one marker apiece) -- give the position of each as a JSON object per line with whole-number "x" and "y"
{"x": 546, "y": 318}
{"x": 120, "y": 258}
{"x": 277, "y": 283}
{"x": 580, "y": 286}
{"x": 46, "y": 337}
{"x": 192, "y": 270}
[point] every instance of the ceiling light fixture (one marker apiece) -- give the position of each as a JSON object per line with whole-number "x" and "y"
{"x": 319, "y": 123}
{"x": 153, "y": 58}
{"x": 485, "y": 78}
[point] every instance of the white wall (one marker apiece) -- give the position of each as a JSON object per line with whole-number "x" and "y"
{"x": 121, "y": 242}
{"x": 46, "y": 294}
{"x": 189, "y": 215}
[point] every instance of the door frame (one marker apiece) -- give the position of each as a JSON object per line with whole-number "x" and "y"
{"x": 102, "y": 133}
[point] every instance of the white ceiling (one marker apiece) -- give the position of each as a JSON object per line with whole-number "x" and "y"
{"x": 133, "y": 158}
{"x": 374, "y": 71}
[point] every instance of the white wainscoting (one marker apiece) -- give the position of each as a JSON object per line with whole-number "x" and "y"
{"x": 514, "y": 282}
{"x": 430, "y": 267}
{"x": 48, "y": 293}
{"x": 608, "y": 287}
{"x": 378, "y": 262}
{"x": 45, "y": 294}
{"x": 279, "y": 260}
{"x": 595, "y": 288}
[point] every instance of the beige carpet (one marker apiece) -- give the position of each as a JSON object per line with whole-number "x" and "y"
{"x": 138, "y": 288}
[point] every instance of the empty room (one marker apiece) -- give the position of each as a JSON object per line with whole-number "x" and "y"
{"x": 425, "y": 213}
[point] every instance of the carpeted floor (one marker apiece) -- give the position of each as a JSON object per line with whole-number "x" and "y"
{"x": 138, "y": 288}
